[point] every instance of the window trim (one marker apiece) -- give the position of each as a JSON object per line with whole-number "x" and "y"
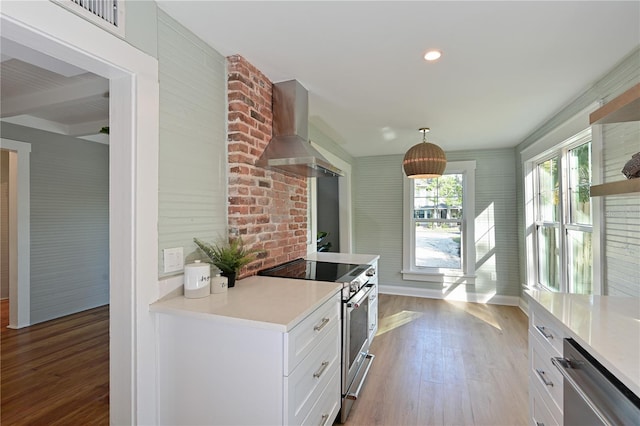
{"x": 442, "y": 275}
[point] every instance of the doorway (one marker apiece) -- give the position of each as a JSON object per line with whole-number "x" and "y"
{"x": 133, "y": 149}
{"x": 18, "y": 237}
{"x": 328, "y": 214}
{"x": 340, "y": 206}
{"x": 4, "y": 229}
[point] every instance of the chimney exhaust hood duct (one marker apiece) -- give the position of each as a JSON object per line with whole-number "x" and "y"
{"x": 290, "y": 150}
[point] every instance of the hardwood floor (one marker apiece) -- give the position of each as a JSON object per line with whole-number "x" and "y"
{"x": 437, "y": 363}
{"x": 56, "y": 372}
{"x": 445, "y": 363}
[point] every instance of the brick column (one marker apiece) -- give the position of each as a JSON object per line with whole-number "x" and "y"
{"x": 268, "y": 209}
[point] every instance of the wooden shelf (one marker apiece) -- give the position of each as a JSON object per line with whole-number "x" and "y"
{"x": 613, "y": 188}
{"x": 625, "y": 107}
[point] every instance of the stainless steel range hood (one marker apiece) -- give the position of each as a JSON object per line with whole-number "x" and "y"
{"x": 289, "y": 150}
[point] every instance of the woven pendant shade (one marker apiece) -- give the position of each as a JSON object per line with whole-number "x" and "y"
{"x": 424, "y": 160}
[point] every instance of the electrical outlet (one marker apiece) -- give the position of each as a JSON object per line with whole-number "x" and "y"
{"x": 173, "y": 259}
{"x": 494, "y": 276}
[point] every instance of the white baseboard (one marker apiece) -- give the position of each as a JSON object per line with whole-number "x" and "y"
{"x": 524, "y": 306}
{"x": 457, "y": 296}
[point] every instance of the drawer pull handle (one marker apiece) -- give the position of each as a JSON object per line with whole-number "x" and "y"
{"x": 543, "y": 378}
{"x": 324, "y": 419}
{"x": 323, "y": 367}
{"x": 539, "y": 424}
{"x": 544, "y": 332}
{"x": 319, "y": 327}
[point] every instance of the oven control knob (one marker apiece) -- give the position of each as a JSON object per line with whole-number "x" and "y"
{"x": 371, "y": 272}
{"x": 353, "y": 305}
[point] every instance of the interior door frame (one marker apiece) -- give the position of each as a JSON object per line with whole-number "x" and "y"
{"x": 133, "y": 187}
{"x": 19, "y": 232}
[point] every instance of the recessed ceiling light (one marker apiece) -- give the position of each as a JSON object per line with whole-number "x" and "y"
{"x": 432, "y": 55}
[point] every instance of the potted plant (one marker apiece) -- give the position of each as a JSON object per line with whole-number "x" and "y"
{"x": 323, "y": 245}
{"x": 229, "y": 257}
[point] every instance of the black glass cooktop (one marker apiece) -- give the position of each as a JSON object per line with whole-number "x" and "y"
{"x": 311, "y": 270}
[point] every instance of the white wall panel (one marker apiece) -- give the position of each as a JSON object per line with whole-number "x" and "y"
{"x": 69, "y": 222}
{"x": 377, "y": 213}
{"x": 193, "y": 152}
{"x": 621, "y": 213}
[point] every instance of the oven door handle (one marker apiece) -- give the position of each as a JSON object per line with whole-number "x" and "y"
{"x": 563, "y": 365}
{"x": 361, "y": 299}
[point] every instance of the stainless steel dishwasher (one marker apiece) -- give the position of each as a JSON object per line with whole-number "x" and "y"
{"x": 592, "y": 395}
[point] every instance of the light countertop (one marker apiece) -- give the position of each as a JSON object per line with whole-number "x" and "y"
{"x": 608, "y": 327}
{"x": 359, "y": 259}
{"x": 262, "y": 302}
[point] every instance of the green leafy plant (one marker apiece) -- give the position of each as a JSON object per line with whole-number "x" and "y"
{"x": 228, "y": 257}
{"x": 322, "y": 245}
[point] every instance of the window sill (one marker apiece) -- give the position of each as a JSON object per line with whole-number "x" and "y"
{"x": 449, "y": 277}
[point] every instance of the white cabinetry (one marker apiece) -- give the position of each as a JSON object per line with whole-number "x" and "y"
{"x": 220, "y": 373}
{"x": 607, "y": 327}
{"x": 545, "y": 381}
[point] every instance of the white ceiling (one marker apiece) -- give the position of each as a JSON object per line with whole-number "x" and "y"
{"x": 506, "y": 68}
{"x": 42, "y": 92}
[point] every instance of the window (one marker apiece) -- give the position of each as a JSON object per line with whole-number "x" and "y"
{"x": 563, "y": 218}
{"x": 439, "y": 225}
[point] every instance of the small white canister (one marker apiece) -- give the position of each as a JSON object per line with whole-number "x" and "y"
{"x": 197, "y": 277}
{"x": 219, "y": 283}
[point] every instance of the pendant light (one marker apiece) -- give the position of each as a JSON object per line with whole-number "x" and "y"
{"x": 424, "y": 160}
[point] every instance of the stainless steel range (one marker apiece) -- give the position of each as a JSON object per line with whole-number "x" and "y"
{"x": 358, "y": 292}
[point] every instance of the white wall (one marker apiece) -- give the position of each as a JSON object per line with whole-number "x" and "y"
{"x": 621, "y": 213}
{"x": 378, "y": 198}
{"x": 69, "y": 222}
{"x": 192, "y": 181}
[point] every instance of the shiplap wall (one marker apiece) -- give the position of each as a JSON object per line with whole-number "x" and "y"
{"x": 69, "y": 222}
{"x": 4, "y": 224}
{"x": 193, "y": 154}
{"x": 378, "y": 186}
{"x": 617, "y": 80}
{"x": 621, "y": 213}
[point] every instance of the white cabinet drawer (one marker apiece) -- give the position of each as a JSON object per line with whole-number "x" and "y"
{"x": 545, "y": 326}
{"x": 544, "y": 375}
{"x": 302, "y": 339}
{"x": 540, "y": 413}
{"x": 305, "y": 384}
{"x": 328, "y": 405}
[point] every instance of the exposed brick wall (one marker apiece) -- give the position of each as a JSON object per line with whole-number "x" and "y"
{"x": 268, "y": 209}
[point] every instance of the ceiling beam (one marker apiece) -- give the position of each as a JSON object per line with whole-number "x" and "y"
{"x": 74, "y": 130}
{"x": 88, "y": 128}
{"x": 36, "y": 123}
{"x": 11, "y": 49}
{"x": 24, "y": 104}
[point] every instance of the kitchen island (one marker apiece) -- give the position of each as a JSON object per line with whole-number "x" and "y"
{"x": 607, "y": 327}
{"x": 265, "y": 352}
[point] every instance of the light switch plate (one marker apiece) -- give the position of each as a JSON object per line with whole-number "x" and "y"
{"x": 173, "y": 259}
